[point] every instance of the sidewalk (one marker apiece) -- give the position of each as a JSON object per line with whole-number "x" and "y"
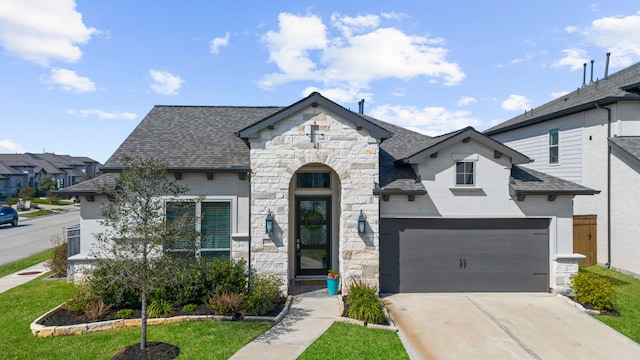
{"x": 311, "y": 314}
{"x": 23, "y": 276}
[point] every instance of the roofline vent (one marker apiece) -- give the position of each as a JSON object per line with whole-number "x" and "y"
{"x": 361, "y": 107}
{"x": 591, "y": 81}
{"x": 584, "y": 74}
{"x": 606, "y": 67}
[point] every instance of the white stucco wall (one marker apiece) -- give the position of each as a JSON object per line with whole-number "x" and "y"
{"x": 489, "y": 199}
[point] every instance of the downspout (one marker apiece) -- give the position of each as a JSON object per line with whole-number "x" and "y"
{"x": 249, "y": 239}
{"x": 608, "y": 264}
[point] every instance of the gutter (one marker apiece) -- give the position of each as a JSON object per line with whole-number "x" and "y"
{"x": 608, "y": 264}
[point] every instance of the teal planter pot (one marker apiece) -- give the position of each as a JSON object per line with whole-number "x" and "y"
{"x": 332, "y": 286}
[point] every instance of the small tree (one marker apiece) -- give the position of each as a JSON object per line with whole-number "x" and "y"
{"x": 47, "y": 184}
{"x": 137, "y": 249}
{"x": 26, "y": 193}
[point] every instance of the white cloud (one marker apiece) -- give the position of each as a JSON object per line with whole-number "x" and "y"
{"x": 466, "y": 100}
{"x": 619, "y": 35}
{"x": 8, "y": 146}
{"x": 42, "y": 31}
{"x": 516, "y": 103}
{"x": 164, "y": 82}
{"x": 571, "y": 29}
{"x": 573, "y": 58}
{"x": 218, "y": 43}
{"x": 399, "y": 92}
{"x": 557, "y": 94}
{"x": 100, "y": 114}
{"x": 303, "y": 48}
{"x": 340, "y": 94}
{"x": 431, "y": 121}
{"x": 70, "y": 81}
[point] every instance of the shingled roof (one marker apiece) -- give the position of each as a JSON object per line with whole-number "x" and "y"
{"x": 91, "y": 186}
{"x": 525, "y": 181}
{"x": 628, "y": 146}
{"x": 623, "y": 85}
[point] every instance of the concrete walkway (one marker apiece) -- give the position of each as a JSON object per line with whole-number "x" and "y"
{"x": 311, "y": 314}
{"x": 23, "y": 276}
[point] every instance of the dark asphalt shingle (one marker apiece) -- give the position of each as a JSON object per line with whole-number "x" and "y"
{"x": 526, "y": 181}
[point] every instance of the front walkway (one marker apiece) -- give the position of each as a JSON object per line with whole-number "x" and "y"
{"x": 23, "y": 276}
{"x": 311, "y": 314}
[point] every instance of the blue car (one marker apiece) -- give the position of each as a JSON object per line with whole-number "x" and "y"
{"x": 8, "y": 215}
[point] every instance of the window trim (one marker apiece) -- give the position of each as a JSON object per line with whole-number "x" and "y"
{"x": 473, "y": 174}
{"x": 555, "y": 146}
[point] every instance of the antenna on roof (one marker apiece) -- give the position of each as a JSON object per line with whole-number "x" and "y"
{"x": 606, "y": 66}
{"x": 592, "y": 61}
{"x": 584, "y": 74}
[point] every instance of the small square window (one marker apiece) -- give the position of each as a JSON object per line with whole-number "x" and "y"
{"x": 464, "y": 173}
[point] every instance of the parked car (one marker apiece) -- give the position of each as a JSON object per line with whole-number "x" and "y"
{"x": 8, "y": 215}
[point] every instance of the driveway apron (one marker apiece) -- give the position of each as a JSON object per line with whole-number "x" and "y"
{"x": 503, "y": 326}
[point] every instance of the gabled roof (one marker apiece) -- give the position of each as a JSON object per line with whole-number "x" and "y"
{"x": 436, "y": 144}
{"x": 91, "y": 186}
{"x": 192, "y": 138}
{"x": 620, "y": 86}
{"x": 627, "y": 146}
{"x": 525, "y": 181}
{"x": 315, "y": 99}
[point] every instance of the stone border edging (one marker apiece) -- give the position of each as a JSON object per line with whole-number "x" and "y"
{"x": 578, "y": 305}
{"x": 39, "y": 330}
{"x": 347, "y": 320}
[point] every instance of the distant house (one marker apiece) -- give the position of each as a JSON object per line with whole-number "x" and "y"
{"x": 591, "y": 136}
{"x": 27, "y": 170}
{"x": 409, "y": 212}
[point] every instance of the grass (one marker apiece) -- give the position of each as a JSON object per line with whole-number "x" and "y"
{"x": 346, "y": 341}
{"x": 40, "y": 212}
{"x": 626, "y": 302}
{"x": 47, "y": 202}
{"x": 26, "y": 262}
{"x": 23, "y": 304}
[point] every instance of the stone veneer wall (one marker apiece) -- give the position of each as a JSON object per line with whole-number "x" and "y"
{"x": 277, "y": 155}
{"x": 563, "y": 269}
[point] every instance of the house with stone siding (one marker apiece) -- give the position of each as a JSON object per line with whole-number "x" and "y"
{"x": 302, "y": 189}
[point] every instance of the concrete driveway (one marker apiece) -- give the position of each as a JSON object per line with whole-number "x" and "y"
{"x": 503, "y": 326}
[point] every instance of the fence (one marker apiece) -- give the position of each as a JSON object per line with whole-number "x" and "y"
{"x": 73, "y": 240}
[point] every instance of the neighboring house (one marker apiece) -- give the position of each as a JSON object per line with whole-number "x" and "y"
{"x": 26, "y": 170}
{"x": 591, "y": 136}
{"x": 405, "y": 211}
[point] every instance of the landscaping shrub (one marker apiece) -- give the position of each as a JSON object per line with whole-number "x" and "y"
{"x": 26, "y": 193}
{"x": 226, "y": 302}
{"x": 80, "y": 302}
{"x": 220, "y": 275}
{"x": 113, "y": 291}
{"x": 58, "y": 263}
{"x": 189, "y": 308}
{"x": 124, "y": 313}
{"x": 160, "y": 308}
{"x": 11, "y": 201}
{"x": 95, "y": 309}
{"x": 363, "y": 303}
{"x": 53, "y": 198}
{"x": 263, "y": 295}
{"x": 594, "y": 290}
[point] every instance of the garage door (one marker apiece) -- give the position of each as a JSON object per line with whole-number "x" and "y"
{"x": 457, "y": 255}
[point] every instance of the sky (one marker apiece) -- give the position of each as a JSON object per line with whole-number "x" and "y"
{"x": 76, "y": 77}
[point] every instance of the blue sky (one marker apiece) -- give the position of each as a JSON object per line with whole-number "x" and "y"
{"x": 78, "y": 76}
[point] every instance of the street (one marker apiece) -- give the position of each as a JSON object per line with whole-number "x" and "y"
{"x": 32, "y": 236}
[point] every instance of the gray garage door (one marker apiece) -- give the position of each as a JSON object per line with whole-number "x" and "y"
{"x": 457, "y": 255}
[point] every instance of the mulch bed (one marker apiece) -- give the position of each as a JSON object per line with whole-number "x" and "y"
{"x": 153, "y": 351}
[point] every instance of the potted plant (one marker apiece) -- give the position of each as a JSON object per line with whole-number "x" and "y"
{"x": 333, "y": 282}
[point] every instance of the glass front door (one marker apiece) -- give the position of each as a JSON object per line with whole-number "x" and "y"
{"x": 313, "y": 235}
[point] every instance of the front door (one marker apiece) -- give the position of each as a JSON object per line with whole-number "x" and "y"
{"x": 313, "y": 235}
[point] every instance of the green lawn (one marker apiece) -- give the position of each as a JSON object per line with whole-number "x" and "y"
{"x": 626, "y": 302}
{"x": 26, "y": 262}
{"x": 346, "y": 341}
{"x": 40, "y": 212}
{"x": 21, "y": 305}
{"x": 47, "y": 202}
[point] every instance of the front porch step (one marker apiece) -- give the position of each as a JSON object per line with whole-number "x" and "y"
{"x": 310, "y": 280}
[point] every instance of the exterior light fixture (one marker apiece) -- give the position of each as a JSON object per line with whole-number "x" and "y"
{"x": 268, "y": 228}
{"x": 362, "y": 221}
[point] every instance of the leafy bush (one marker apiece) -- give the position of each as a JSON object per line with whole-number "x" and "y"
{"x": 26, "y": 193}
{"x": 80, "y": 302}
{"x": 263, "y": 295}
{"x": 226, "y": 302}
{"x": 53, "y": 198}
{"x": 116, "y": 291}
{"x": 221, "y": 275}
{"x": 364, "y": 304}
{"x": 160, "y": 308}
{"x": 124, "y": 313}
{"x": 592, "y": 289}
{"x": 58, "y": 263}
{"x": 11, "y": 201}
{"x": 189, "y": 308}
{"x": 95, "y": 309}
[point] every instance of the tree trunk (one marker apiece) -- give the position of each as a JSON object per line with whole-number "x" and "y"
{"x": 143, "y": 321}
